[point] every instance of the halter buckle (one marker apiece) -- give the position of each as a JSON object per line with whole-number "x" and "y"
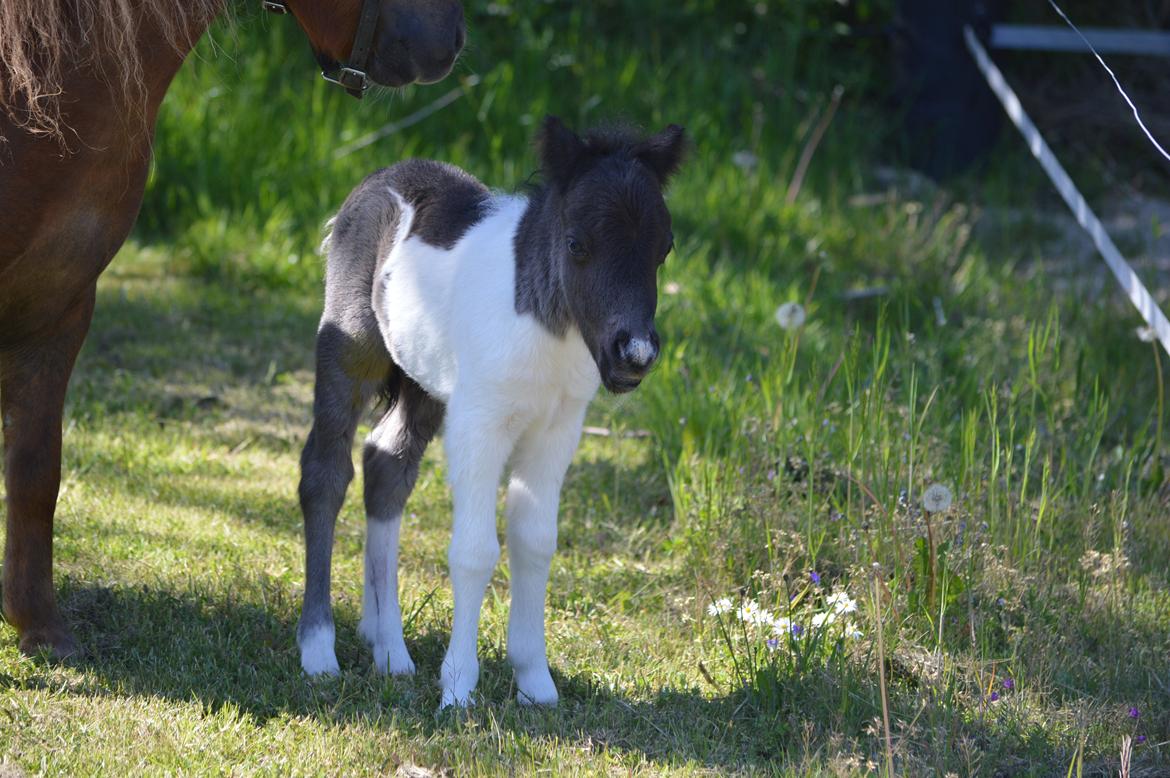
{"x": 352, "y": 80}
{"x": 274, "y": 6}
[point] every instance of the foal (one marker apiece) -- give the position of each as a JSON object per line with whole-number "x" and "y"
{"x": 502, "y": 314}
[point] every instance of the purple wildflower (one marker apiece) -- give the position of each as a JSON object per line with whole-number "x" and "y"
{"x": 797, "y": 630}
{"x": 1134, "y": 712}
{"x": 815, "y": 576}
{"x": 994, "y": 696}
{"x": 1008, "y": 683}
{"x": 1140, "y": 739}
{"x": 773, "y": 643}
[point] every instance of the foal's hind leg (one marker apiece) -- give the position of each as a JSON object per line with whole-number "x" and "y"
{"x": 390, "y": 462}
{"x": 326, "y": 470}
{"x": 33, "y": 379}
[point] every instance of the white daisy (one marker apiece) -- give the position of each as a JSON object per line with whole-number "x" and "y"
{"x": 841, "y": 603}
{"x": 823, "y": 619}
{"x": 720, "y": 606}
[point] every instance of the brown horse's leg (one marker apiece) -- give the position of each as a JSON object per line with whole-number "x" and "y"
{"x": 33, "y": 379}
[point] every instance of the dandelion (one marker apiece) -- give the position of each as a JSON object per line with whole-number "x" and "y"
{"x": 790, "y": 316}
{"x": 720, "y": 606}
{"x": 936, "y": 499}
{"x": 841, "y": 603}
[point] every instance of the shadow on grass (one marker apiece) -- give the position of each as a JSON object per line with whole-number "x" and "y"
{"x": 187, "y": 647}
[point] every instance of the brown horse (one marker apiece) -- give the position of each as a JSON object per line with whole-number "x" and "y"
{"x": 80, "y": 86}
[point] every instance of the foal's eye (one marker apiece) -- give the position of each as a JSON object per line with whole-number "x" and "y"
{"x": 575, "y": 248}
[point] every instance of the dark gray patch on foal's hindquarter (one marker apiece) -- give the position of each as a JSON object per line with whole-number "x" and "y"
{"x": 354, "y": 365}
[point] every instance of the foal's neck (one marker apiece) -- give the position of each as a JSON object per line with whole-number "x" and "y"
{"x": 539, "y": 239}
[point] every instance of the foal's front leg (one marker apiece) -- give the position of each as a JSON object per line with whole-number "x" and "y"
{"x": 477, "y": 445}
{"x": 540, "y": 462}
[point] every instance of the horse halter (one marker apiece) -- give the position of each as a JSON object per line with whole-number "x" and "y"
{"x": 352, "y": 75}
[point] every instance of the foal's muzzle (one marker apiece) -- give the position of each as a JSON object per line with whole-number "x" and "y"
{"x": 628, "y": 359}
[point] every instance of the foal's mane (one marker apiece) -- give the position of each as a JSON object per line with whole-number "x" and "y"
{"x": 42, "y": 40}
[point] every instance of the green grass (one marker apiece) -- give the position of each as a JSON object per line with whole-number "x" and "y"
{"x": 750, "y": 459}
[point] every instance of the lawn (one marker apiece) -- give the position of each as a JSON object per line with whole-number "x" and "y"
{"x": 1021, "y": 627}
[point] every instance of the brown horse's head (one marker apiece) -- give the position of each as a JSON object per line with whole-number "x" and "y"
{"x": 415, "y": 41}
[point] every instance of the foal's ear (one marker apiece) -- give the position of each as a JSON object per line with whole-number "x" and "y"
{"x": 560, "y": 151}
{"x": 663, "y": 153}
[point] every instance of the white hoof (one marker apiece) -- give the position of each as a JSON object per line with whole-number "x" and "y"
{"x": 453, "y": 699}
{"x": 536, "y": 687}
{"x": 458, "y": 683}
{"x": 317, "y": 655}
{"x": 394, "y": 660}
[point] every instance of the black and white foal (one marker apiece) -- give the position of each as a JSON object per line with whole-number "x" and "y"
{"x": 497, "y": 315}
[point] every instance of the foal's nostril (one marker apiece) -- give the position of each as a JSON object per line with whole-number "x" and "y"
{"x": 619, "y": 344}
{"x": 638, "y": 353}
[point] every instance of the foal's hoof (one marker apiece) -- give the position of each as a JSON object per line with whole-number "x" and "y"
{"x": 317, "y": 655}
{"x": 536, "y": 687}
{"x": 456, "y": 699}
{"x": 393, "y": 661}
{"x": 54, "y": 642}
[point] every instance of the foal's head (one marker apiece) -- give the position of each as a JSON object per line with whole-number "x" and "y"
{"x": 414, "y": 40}
{"x": 612, "y": 233}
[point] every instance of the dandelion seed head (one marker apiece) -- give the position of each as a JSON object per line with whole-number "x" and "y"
{"x": 936, "y": 499}
{"x": 672, "y": 288}
{"x": 790, "y": 316}
{"x": 745, "y": 160}
{"x": 1146, "y": 334}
